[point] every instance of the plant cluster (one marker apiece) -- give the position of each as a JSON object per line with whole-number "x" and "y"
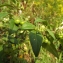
{"x": 30, "y": 28}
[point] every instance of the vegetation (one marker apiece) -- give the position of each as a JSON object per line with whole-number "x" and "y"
{"x": 31, "y": 31}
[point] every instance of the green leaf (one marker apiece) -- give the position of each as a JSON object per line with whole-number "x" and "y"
{"x": 1, "y": 53}
{"x": 61, "y": 41}
{"x": 36, "y": 42}
{"x": 1, "y": 24}
{"x": 11, "y": 23}
{"x": 51, "y": 48}
{"x": 15, "y": 28}
{"x": 1, "y": 56}
{"x": 14, "y": 1}
{"x": 8, "y": 6}
{"x": 51, "y": 33}
{"x": 28, "y": 26}
{"x": 3, "y": 14}
{"x": 1, "y": 48}
{"x": 38, "y": 20}
{"x": 13, "y": 40}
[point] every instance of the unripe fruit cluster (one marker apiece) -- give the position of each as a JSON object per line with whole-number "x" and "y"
{"x": 17, "y": 21}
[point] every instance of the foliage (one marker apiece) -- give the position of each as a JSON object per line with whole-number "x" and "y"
{"x": 23, "y": 27}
